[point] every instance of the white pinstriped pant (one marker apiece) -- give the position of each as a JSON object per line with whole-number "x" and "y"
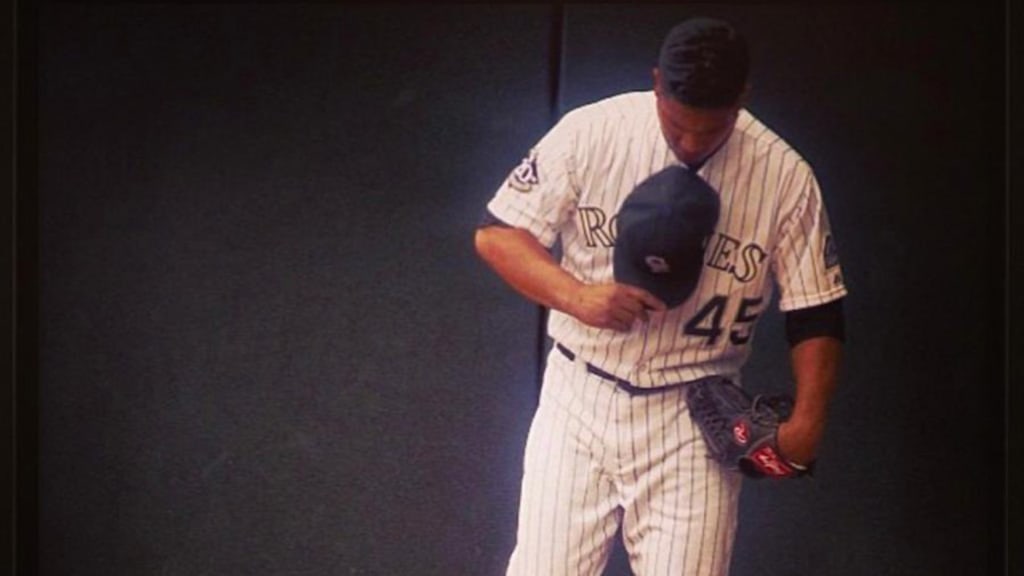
{"x": 597, "y": 456}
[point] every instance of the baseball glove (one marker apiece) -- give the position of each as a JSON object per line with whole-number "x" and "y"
{"x": 740, "y": 431}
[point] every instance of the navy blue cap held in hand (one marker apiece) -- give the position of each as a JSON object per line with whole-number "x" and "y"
{"x": 663, "y": 228}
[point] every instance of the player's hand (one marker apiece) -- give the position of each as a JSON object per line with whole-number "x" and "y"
{"x": 798, "y": 441}
{"x": 615, "y": 306}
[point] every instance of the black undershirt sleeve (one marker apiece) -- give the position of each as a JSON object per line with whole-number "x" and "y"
{"x": 489, "y": 219}
{"x": 824, "y": 320}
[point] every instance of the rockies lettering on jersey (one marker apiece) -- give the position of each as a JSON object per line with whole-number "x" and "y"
{"x": 773, "y": 233}
{"x": 727, "y": 254}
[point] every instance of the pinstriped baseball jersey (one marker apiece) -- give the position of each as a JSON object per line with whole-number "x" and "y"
{"x": 773, "y": 233}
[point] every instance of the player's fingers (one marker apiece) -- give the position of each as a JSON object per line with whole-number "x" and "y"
{"x": 637, "y": 308}
{"x": 633, "y": 309}
{"x": 612, "y": 323}
{"x": 629, "y": 301}
{"x": 628, "y": 305}
{"x": 620, "y": 326}
{"x": 647, "y": 300}
{"x": 654, "y": 303}
{"x": 622, "y": 316}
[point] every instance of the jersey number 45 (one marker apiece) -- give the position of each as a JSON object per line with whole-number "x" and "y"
{"x": 707, "y": 322}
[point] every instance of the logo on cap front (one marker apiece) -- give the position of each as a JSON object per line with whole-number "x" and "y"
{"x": 657, "y": 265}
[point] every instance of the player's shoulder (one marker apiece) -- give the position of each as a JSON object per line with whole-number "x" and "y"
{"x": 763, "y": 141}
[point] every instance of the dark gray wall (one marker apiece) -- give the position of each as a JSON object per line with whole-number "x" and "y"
{"x": 267, "y": 346}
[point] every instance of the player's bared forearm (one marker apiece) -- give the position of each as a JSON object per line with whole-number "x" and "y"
{"x": 815, "y": 363}
{"x": 528, "y": 267}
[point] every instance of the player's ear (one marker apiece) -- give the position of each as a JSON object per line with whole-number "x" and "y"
{"x": 657, "y": 78}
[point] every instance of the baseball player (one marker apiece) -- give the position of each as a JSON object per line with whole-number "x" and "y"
{"x": 612, "y": 443}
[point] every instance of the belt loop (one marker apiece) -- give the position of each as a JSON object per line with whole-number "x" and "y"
{"x": 565, "y": 352}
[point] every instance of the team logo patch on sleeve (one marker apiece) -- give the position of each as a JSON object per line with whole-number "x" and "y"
{"x": 831, "y": 252}
{"x": 524, "y": 177}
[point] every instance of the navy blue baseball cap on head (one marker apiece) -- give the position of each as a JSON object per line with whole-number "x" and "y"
{"x": 662, "y": 230}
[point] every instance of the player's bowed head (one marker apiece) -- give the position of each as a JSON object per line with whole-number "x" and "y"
{"x": 700, "y": 83}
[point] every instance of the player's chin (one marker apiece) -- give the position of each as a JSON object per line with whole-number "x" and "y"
{"x": 688, "y": 158}
{"x": 695, "y": 160}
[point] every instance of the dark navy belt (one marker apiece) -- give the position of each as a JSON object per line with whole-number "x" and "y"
{"x": 621, "y": 383}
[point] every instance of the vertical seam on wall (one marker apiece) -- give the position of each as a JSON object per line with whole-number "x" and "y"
{"x": 25, "y": 285}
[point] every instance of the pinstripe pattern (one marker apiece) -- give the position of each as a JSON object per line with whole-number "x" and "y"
{"x": 597, "y": 457}
{"x": 771, "y": 234}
